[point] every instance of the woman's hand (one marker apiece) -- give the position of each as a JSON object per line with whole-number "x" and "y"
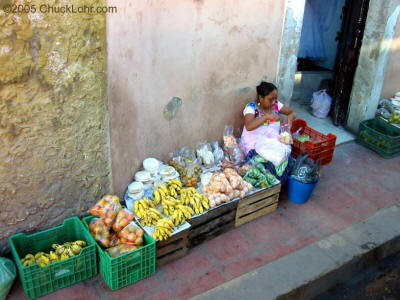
{"x": 290, "y": 113}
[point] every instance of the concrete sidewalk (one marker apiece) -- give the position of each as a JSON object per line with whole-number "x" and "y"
{"x": 357, "y": 185}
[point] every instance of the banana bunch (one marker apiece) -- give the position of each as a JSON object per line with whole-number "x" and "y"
{"x": 150, "y": 217}
{"x": 28, "y": 260}
{"x": 42, "y": 259}
{"x": 60, "y": 252}
{"x": 181, "y": 213}
{"x": 66, "y": 250}
{"x": 163, "y": 230}
{"x": 140, "y": 207}
{"x": 168, "y": 204}
{"x": 146, "y": 210}
{"x": 199, "y": 202}
{"x": 173, "y": 189}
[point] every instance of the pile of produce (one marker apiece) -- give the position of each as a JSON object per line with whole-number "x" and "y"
{"x": 59, "y": 252}
{"x": 115, "y": 230}
{"x": 395, "y": 117}
{"x": 225, "y": 186}
{"x": 258, "y": 176}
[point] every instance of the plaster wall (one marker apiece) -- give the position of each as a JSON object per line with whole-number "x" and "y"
{"x": 211, "y": 54}
{"x": 54, "y": 149}
{"x": 391, "y": 84}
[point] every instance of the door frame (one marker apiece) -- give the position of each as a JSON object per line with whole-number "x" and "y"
{"x": 372, "y": 61}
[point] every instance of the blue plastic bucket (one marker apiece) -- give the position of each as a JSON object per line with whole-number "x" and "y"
{"x": 299, "y": 192}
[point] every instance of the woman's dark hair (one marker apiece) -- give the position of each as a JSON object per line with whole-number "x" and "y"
{"x": 265, "y": 88}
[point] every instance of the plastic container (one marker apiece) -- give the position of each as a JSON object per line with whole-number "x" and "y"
{"x": 128, "y": 268}
{"x": 299, "y": 192}
{"x": 38, "y": 281}
{"x": 380, "y": 137}
{"x": 320, "y": 146}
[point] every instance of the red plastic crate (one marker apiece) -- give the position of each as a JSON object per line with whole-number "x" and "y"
{"x": 320, "y": 145}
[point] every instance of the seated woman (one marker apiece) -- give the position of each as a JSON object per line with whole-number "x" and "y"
{"x": 261, "y": 117}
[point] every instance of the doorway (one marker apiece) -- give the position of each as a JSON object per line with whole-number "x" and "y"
{"x": 327, "y": 58}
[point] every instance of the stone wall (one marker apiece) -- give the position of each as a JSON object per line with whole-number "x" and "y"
{"x": 54, "y": 148}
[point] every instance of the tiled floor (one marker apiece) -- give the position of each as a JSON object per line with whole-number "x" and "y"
{"x": 325, "y": 126}
{"x": 354, "y": 186}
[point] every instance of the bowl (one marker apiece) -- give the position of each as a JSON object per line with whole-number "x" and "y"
{"x": 397, "y": 94}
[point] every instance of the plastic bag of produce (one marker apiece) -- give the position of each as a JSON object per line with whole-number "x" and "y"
{"x": 228, "y": 137}
{"x": 7, "y": 276}
{"x": 114, "y": 240}
{"x": 109, "y": 212}
{"x": 100, "y": 231}
{"x": 218, "y": 152}
{"x": 187, "y": 154}
{"x": 205, "y": 154}
{"x": 285, "y": 136}
{"x": 123, "y": 218}
{"x": 131, "y": 233}
{"x": 234, "y": 179}
{"x": 121, "y": 249}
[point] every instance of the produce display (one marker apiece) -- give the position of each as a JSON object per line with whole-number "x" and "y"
{"x": 59, "y": 252}
{"x": 258, "y": 176}
{"x": 225, "y": 186}
{"x": 115, "y": 231}
{"x": 175, "y": 202}
{"x": 395, "y": 117}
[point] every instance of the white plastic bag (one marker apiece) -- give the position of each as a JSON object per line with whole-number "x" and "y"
{"x": 321, "y": 104}
{"x": 271, "y": 149}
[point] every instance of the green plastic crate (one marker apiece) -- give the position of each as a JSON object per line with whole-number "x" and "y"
{"x": 38, "y": 281}
{"x": 128, "y": 268}
{"x": 380, "y": 136}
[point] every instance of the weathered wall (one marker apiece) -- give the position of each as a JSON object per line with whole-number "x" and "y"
{"x": 54, "y": 150}
{"x": 391, "y": 84}
{"x": 211, "y": 54}
{"x": 373, "y": 61}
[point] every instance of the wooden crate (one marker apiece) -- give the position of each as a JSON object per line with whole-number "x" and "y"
{"x": 257, "y": 205}
{"x": 172, "y": 248}
{"x": 212, "y": 223}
